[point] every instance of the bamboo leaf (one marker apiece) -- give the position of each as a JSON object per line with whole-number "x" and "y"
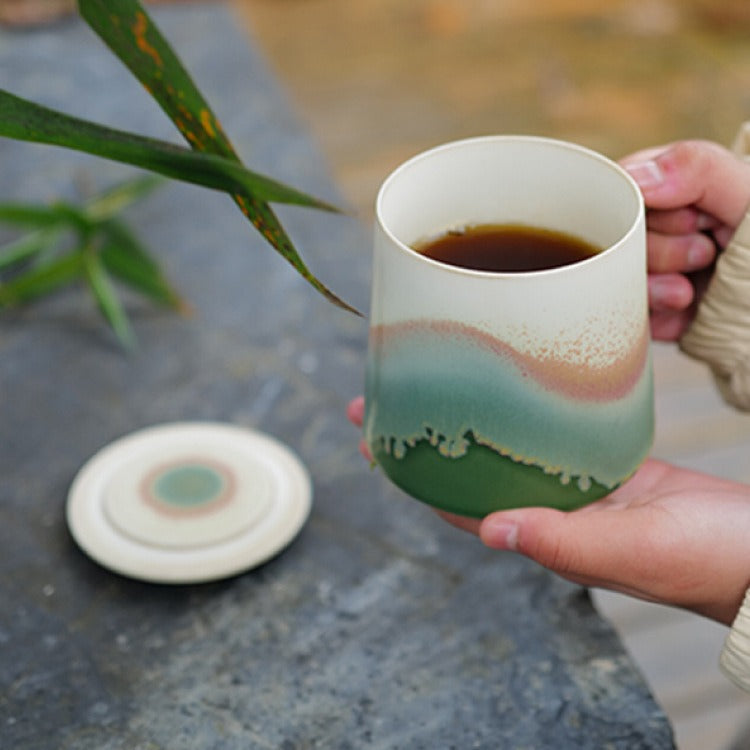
{"x": 27, "y": 121}
{"x": 128, "y": 30}
{"x": 111, "y": 202}
{"x": 41, "y": 280}
{"x": 127, "y": 260}
{"x": 26, "y": 247}
{"x": 35, "y": 216}
{"x": 107, "y": 300}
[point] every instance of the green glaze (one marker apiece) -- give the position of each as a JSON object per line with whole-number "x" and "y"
{"x": 461, "y": 421}
{"x": 480, "y": 481}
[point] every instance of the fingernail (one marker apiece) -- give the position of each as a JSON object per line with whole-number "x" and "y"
{"x": 699, "y": 255}
{"x": 647, "y": 174}
{"x": 500, "y": 533}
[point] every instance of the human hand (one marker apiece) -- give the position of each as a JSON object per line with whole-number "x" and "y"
{"x": 696, "y": 193}
{"x": 668, "y": 535}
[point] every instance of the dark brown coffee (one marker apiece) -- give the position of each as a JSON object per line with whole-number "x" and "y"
{"x": 506, "y": 248}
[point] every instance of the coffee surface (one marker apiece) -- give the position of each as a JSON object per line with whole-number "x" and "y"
{"x": 506, "y": 248}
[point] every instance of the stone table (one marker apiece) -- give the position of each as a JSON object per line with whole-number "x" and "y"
{"x": 380, "y": 626}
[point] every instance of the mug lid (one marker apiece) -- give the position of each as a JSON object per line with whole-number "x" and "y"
{"x": 188, "y": 502}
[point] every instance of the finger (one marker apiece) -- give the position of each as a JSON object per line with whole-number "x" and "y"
{"x": 670, "y": 326}
{"x": 644, "y": 155}
{"x": 669, "y": 292}
{"x": 723, "y": 235}
{"x": 461, "y": 522}
{"x": 679, "y": 253}
{"x": 355, "y": 410}
{"x": 697, "y": 173}
{"x": 598, "y": 549}
{"x": 686, "y": 220}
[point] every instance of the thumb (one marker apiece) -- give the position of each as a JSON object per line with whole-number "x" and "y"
{"x": 693, "y": 173}
{"x": 579, "y": 545}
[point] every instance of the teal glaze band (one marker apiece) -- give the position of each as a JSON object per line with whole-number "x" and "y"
{"x": 426, "y": 386}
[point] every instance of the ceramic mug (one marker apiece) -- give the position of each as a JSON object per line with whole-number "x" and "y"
{"x": 485, "y": 390}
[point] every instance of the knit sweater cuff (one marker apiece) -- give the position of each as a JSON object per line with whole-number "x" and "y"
{"x": 735, "y": 656}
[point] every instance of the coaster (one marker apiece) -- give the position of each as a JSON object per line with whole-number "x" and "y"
{"x": 188, "y": 502}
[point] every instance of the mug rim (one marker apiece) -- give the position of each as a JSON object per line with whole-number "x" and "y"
{"x": 556, "y": 142}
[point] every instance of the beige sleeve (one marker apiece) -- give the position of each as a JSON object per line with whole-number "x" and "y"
{"x": 720, "y": 336}
{"x": 741, "y": 145}
{"x": 720, "y": 333}
{"x": 735, "y": 656}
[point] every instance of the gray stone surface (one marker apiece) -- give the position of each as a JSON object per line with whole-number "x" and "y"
{"x": 380, "y": 626}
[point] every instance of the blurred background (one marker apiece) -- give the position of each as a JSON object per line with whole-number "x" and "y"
{"x": 379, "y": 80}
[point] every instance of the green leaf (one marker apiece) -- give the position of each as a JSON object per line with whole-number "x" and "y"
{"x": 127, "y": 260}
{"x": 27, "y": 215}
{"x": 111, "y": 202}
{"x": 41, "y": 216}
{"x": 27, "y": 121}
{"x": 24, "y": 248}
{"x": 128, "y": 30}
{"x": 105, "y": 246}
{"x": 41, "y": 280}
{"x": 126, "y": 27}
{"x": 107, "y": 300}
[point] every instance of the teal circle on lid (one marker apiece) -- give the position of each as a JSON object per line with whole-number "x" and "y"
{"x": 188, "y": 496}
{"x": 188, "y": 486}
